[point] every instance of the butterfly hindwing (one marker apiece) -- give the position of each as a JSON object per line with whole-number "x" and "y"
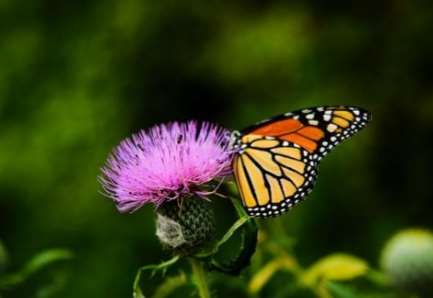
{"x": 272, "y": 175}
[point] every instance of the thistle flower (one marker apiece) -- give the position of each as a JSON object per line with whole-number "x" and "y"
{"x": 165, "y": 163}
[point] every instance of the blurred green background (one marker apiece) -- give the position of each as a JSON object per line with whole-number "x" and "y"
{"x": 78, "y": 76}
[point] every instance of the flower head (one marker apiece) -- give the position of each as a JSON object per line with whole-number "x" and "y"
{"x": 166, "y": 162}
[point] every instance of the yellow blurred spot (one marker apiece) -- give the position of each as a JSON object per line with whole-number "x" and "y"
{"x": 335, "y": 267}
{"x": 261, "y": 278}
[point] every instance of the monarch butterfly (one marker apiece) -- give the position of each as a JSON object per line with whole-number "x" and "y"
{"x": 276, "y": 160}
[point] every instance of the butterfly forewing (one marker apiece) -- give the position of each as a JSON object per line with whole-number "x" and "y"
{"x": 318, "y": 129}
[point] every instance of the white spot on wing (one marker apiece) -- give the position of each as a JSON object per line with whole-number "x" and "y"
{"x": 331, "y": 127}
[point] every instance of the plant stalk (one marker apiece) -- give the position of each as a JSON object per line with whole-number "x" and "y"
{"x": 199, "y": 276}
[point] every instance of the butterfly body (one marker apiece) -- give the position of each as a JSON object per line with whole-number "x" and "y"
{"x": 276, "y": 160}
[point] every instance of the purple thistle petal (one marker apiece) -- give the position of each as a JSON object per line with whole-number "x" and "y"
{"x": 166, "y": 162}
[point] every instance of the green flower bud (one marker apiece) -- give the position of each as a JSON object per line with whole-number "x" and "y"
{"x": 408, "y": 260}
{"x": 185, "y": 224}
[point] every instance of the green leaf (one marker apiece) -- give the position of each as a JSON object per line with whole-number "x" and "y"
{"x": 3, "y": 257}
{"x": 262, "y": 277}
{"x": 46, "y": 258}
{"x": 246, "y": 228}
{"x": 378, "y": 278}
{"x": 227, "y": 236}
{"x": 170, "y": 285}
{"x": 138, "y": 293}
{"x": 335, "y": 267}
{"x": 37, "y": 263}
{"x": 136, "y": 290}
{"x": 53, "y": 288}
{"x": 341, "y": 291}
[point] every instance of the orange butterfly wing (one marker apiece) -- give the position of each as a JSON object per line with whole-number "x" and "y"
{"x": 276, "y": 163}
{"x": 315, "y": 129}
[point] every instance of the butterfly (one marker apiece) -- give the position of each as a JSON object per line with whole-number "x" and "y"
{"x": 276, "y": 160}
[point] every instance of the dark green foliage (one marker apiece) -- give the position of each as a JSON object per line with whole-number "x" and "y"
{"x": 233, "y": 252}
{"x": 78, "y": 76}
{"x": 42, "y": 274}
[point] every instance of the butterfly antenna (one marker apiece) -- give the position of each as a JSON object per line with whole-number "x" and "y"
{"x": 212, "y": 192}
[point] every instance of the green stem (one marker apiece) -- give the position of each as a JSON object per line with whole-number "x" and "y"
{"x": 238, "y": 224}
{"x": 200, "y": 278}
{"x": 153, "y": 268}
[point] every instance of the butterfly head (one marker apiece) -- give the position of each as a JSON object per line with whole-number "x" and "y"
{"x": 235, "y": 140}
